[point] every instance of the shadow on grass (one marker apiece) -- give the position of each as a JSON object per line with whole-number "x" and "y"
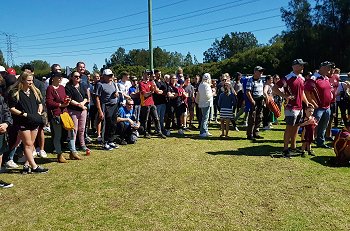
{"x": 328, "y": 161}
{"x": 197, "y": 137}
{"x": 262, "y": 150}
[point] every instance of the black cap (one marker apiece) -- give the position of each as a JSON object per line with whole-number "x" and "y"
{"x": 56, "y": 74}
{"x": 327, "y": 64}
{"x": 298, "y": 62}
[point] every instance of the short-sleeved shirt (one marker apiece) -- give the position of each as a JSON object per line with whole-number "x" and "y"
{"x": 123, "y": 112}
{"x": 106, "y": 92}
{"x": 173, "y": 101}
{"x": 160, "y": 98}
{"x": 256, "y": 87}
{"x": 190, "y": 91}
{"x": 28, "y": 104}
{"x": 145, "y": 87}
{"x": 293, "y": 84}
{"x": 321, "y": 88}
{"x": 124, "y": 87}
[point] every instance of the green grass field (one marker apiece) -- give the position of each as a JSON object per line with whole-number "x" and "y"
{"x": 183, "y": 184}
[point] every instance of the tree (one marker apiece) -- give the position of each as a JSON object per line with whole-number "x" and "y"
{"x": 95, "y": 68}
{"x": 230, "y": 45}
{"x": 195, "y": 60}
{"x": 2, "y": 59}
{"x": 118, "y": 57}
{"x": 188, "y": 60}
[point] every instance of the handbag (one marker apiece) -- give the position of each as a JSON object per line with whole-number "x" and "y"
{"x": 67, "y": 121}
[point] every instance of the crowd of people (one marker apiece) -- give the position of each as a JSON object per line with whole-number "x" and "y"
{"x": 120, "y": 110}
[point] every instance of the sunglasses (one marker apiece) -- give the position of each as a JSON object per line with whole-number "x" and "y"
{"x": 77, "y": 76}
{"x": 130, "y": 104}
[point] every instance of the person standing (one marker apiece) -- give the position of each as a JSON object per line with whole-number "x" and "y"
{"x": 226, "y": 103}
{"x": 293, "y": 92}
{"x": 26, "y": 108}
{"x": 147, "y": 88}
{"x": 204, "y": 98}
{"x": 255, "y": 95}
{"x": 107, "y": 104}
{"x": 160, "y": 100}
{"x": 319, "y": 92}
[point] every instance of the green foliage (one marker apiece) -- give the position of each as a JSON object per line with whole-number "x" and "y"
{"x": 230, "y": 45}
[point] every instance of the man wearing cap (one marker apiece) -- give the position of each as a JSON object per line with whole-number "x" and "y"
{"x": 107, "y": 105}
{"x": 318, "y": 89}
{"x": 255, "y": 95}
{"x": 147, "y": 88}
{"x": 293, "y": 85}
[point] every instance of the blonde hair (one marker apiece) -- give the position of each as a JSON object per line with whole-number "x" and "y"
{"x": 19, "y": 86}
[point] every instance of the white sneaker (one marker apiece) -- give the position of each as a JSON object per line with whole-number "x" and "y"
{"x": 42, "y": 154}
{"x": 209, "y": 134}
{"x": 47, "y": 129}
{"x": 113, "y": 145}
{"x": 11, "y": 164}
{"x": 245, "y": 124}
{"x": 236, "y": 129}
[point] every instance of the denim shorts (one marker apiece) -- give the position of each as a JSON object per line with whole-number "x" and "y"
{"x": 293, "y": 117}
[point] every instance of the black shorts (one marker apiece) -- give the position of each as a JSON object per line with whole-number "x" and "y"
{"x": 181, "y": 109}
{"x": 25, "y": 127}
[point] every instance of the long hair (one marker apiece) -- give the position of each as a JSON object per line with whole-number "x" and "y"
{"x": 227, "y": 89}
{"x": 18, "y": 86}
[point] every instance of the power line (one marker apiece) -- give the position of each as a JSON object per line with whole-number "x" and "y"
{"x": 166, "y": 45}
{"x": 163, "y": 32}
{"x": 101, "y": 22}
{"x": 206, "y": 30}
{"x": 182, "y": 16}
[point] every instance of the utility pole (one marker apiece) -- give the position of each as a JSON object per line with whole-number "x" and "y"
{"x": 9, "y": 51}
{"x": 150, "y": 34}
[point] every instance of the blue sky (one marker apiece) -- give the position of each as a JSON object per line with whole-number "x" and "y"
{"x": 68, "y": 31}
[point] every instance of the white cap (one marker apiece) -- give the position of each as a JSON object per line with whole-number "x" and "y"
{"x": 107, "y": 72}
{"x": 206, "y": 76}
{"x": 2, "y": 69}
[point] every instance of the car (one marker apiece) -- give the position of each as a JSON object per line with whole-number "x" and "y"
{"x": 344, "y": 77}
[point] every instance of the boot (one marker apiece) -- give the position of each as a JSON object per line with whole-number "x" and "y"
{"x": 74, "y": 156}
{"x": 61, "y": 159}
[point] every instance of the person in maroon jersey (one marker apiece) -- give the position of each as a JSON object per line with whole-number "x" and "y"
{"x": 334, "y": 80}
{"x": 320, "y": 90}
{"x": 293, "y": 85}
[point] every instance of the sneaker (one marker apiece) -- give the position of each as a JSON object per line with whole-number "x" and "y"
{"x": 209, "y": 134}
{"x": 39, "y": 169}
{"x": 258, "y": 137}
{"x": 167, "y": 132}
{"x": 47, "y": 129}
{"x": 99, "y": 139}
{"x": 286, "y": 154}
{"x": 11, "y": 164}
{"x": 236, "y": 128}
{"x": 311, "y": 153}
{"x": 3, "y": 184}
{"x": 42, "y": 154}
{"x": 181, "y": 132}
{"x": 266, "y": 128}
{"x": 88, "y": 140}
{"x": 251, "y": 138}
{"x": 107, "y": 147}
{"x": 245, "y": 124}
{"x": 123, "y": 142}
{"x": 303, "y": 154}
{"x": 113, "y": 145}
{"x": 161, "y": 135}
{"x": 203, "y": 135}
{"x": 25, "y": 170}
{"x": 137, "y": 133}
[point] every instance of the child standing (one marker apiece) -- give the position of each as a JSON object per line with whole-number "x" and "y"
{"x": 226, "y": 103}
{"x": 309, "y": 123}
